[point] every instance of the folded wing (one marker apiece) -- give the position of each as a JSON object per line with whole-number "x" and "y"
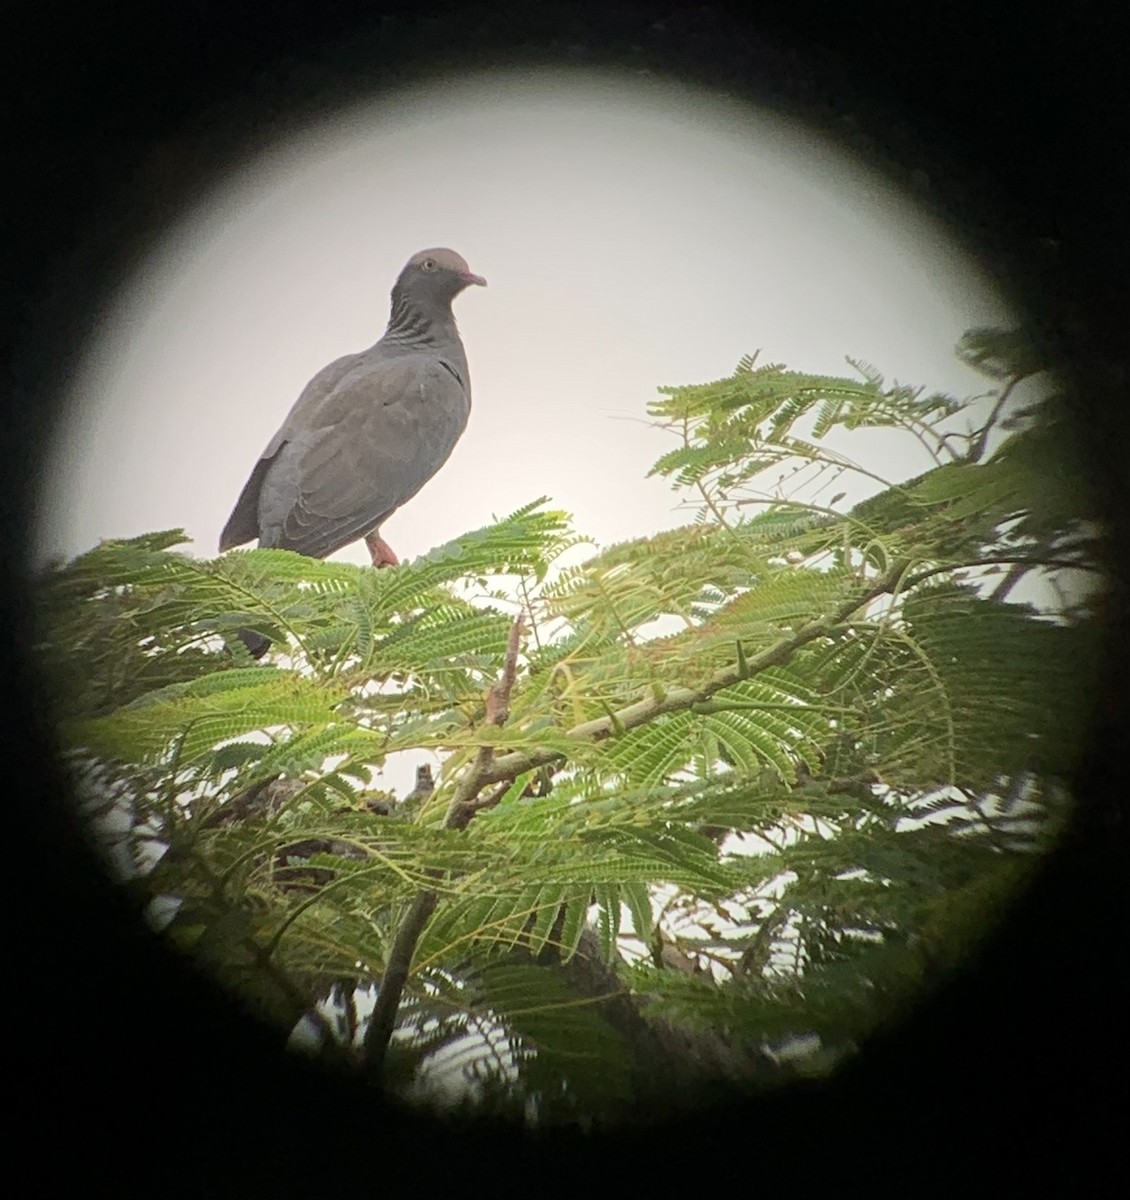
{"x": 344, "y": 461}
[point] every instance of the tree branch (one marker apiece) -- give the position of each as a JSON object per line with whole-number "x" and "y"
{"x": 464, "y": 805}
{"x": 669, "y": 1062}
{"x": 509, "y": 766}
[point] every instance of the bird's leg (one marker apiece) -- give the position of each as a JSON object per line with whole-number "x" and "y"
{"x": 380, "y": 551}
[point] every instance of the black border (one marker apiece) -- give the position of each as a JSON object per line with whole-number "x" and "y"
{"x": 1006, "y": 120}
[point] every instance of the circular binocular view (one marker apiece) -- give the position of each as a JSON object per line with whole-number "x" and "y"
{"x": 568, "y": 595}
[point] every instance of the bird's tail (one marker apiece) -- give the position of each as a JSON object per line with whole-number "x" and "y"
{"x": 257, "y": 645}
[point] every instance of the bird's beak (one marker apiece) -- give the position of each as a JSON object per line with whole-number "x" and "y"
{"x": 468, "y": 278}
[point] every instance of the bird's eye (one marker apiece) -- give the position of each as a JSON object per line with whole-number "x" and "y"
{"x": 429, "y": 264}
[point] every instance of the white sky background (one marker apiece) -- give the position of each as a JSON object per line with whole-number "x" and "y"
{"x": 633, "y": 234}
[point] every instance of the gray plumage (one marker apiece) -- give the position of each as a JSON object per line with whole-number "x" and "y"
{"x": 369, "y": 430}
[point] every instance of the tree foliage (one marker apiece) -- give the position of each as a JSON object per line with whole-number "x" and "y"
{"x": 737, "y": 792}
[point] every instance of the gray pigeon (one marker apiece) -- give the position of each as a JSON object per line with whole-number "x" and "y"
{"x": 368, "y": 431}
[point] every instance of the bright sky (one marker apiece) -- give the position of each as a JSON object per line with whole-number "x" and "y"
{"x": 633, "y": 234}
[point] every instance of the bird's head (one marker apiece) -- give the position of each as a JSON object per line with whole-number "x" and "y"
{"x": 437, "y": 276}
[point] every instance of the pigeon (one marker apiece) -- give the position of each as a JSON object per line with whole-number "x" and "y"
{"x": 367, "y": 432}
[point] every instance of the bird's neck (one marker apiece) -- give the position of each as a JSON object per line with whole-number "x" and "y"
{"x": 416, "y": 323}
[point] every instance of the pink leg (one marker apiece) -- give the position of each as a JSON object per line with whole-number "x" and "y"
{"x": 380, "y": 551}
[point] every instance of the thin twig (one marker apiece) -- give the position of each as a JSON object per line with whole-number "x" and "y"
{"x": 462, "y": 807}
{"x": 1011, "y": 579}
{"x": 530, "y": 609}
{"x": 981, "y": 437}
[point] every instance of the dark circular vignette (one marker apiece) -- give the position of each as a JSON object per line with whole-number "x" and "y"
{"x": 998, "y": 120}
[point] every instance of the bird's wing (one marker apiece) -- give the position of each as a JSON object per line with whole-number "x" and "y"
{"x": 243, "y": 524}
{"x": 369, "y": 446}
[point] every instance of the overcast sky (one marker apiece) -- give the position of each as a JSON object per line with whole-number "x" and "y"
{"x": 633, "y": 234}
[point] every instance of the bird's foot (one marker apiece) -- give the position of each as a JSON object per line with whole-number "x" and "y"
{"x": 381, "y": 552}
